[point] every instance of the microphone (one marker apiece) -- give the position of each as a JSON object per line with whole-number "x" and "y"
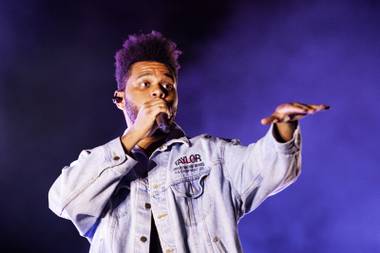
{"x": 163, "y": 122}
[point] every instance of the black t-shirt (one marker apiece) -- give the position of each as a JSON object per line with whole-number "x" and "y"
{"x": 155, "y": 245}
{"x": 142, "y": 171}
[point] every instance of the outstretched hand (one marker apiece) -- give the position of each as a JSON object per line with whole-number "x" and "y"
{"x": 289, "y": 112}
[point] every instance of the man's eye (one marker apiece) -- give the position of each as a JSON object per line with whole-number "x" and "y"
{"x": 144, "y": 84}
{"x": 167, "y": 86}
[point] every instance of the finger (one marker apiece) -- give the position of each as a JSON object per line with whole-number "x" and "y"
{"x": 161, "y": 105}
{"x": 291, "y": 117}
{"x": 291, "y": 109}
{"x": 298, "y": 116}
{"x": 269, "y": 120}
{"x": 152, "y": 110}
{"x": 305, "y": 107}
{"x": 157, "y": 109}
{"x": 319, "y": 107}
{"x": 154, "y": 102}
{"x": 311, "y": 108}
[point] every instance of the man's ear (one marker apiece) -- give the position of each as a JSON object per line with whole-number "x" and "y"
{"x": 118, "y": 99}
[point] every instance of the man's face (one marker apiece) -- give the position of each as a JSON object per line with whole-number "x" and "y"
{"x": 147, "y": 80}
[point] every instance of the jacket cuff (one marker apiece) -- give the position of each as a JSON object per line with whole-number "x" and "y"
{"x": 115, "y": 156}
{"x": 290, "y": 147}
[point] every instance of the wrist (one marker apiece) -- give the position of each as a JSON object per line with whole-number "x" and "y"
{"x": 130, "y": 139}
{"x": 283, "y": 132}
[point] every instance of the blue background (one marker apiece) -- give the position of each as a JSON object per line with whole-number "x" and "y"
{"x": 241, "y": 59}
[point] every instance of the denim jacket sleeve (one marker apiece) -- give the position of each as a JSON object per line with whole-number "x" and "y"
{"x": 82, "y": 190}
{"x": 261, "y": 169}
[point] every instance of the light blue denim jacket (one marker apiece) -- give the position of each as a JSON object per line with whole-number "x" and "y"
{"x": 197, "y": 190}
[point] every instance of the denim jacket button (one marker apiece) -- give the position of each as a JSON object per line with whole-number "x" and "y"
{"x": 116, "y": 158}
{"x": 147, "y": 205}
{"x": 143, "y": 239}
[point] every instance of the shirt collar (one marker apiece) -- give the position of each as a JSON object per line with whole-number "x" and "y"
{"x": 176, "y": 135}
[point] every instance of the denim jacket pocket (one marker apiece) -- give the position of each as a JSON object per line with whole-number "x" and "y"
{"x": 191, "y": 187}
{"x": 189, "y": 194}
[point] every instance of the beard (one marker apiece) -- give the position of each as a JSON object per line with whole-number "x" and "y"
{"x": 131, "y": 110}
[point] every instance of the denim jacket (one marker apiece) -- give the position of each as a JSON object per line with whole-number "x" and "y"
{"x": 197, "y": 189}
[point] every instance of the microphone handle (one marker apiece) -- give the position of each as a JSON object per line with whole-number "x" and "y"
{"x": 162, "y": 122}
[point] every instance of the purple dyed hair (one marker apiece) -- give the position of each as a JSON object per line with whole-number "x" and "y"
{"x": 145, "y": 47}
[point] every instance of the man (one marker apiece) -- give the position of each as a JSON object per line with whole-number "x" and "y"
{"x": 151, "y": 191}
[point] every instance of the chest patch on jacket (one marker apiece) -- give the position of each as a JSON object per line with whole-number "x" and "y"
{"x": 188, "y": 164}
{"x": 194, "y": 158}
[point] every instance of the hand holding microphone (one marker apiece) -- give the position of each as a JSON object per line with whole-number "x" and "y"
{"x": 143, "y": 125}
{"x": 162, "y": 121}
{"x": 151, "y": 112}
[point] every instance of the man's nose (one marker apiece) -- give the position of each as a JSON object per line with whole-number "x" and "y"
{"x": 158, "y": 92}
